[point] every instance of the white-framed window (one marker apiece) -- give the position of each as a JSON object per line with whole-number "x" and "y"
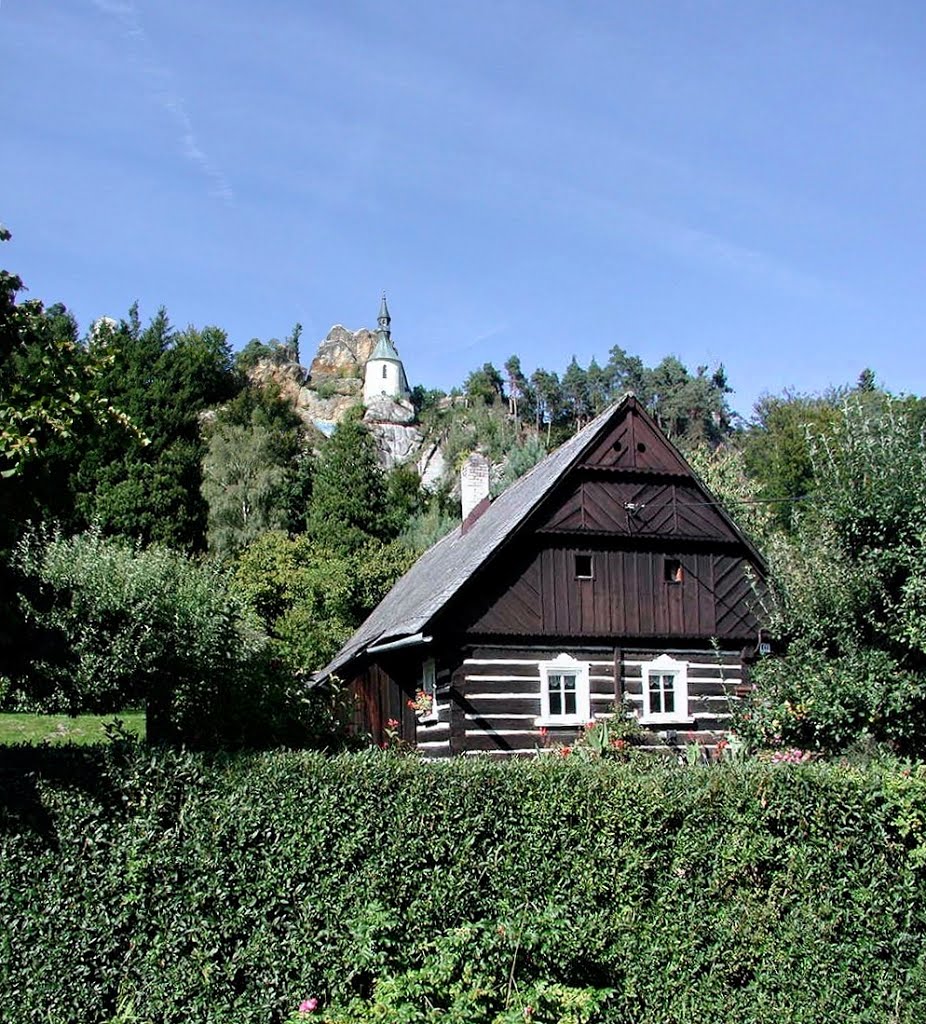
{"x": 564, "y": 696}
{"x": 665, "y": 691}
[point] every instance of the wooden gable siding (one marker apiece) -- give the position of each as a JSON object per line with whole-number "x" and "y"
{"x": 628, "y": 595}
{"x": 663, "y": 508}
{"x": 633, "y": 444}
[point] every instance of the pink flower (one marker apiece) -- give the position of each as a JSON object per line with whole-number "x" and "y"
{"x": 543, "y": 730}
{"x": 565, "y": 751}
{"x": 308, "y": 1005}
{"x": 393, "y": 723}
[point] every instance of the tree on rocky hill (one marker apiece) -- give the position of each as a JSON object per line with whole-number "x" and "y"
{"x": 349, "y": 503}
{"x": 163, "y": 379}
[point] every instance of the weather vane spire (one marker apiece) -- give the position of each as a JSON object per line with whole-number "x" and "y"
{"x": 384, "y": 319}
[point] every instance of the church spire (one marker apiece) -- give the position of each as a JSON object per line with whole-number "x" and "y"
{"x": 384, "y": 319}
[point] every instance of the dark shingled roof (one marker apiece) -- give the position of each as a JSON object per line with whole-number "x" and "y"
{"x": 443, "y": 569}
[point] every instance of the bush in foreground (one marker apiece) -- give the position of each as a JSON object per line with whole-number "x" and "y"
{"x": 178, "y": 887}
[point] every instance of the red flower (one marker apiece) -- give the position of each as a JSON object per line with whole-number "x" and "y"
{"x": 543, "y": 730}
{"x": 410, "y": 704}
{"x": 565, "y": 751}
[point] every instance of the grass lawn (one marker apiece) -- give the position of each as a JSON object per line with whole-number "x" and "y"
{"x": 16, "y": 728}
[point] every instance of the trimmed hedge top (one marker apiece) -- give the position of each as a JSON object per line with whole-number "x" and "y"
{"x": 177, "y": 887}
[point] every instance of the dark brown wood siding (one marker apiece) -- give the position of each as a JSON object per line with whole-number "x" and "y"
{"x": 632, "y": 444}
{"x": 635, "y": 506}
{"x": 627, "y": 596}
{"x": 378, "y": 697}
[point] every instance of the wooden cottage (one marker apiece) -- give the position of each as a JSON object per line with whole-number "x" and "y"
{"x": 607, "y": 575}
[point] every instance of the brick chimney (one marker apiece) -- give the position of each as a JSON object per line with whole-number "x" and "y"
{"x": 474, "y": 488}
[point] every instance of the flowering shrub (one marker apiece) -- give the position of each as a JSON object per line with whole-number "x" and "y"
{"x": 306, "y": 1012}
{"x": 792, "y": 756}
{"x": 423, "y": 703}
{"x": 393, "y": 739}
{"x": 611, "y": 738}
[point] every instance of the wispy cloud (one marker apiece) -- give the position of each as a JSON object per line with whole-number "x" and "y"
{"x": 713, "y": 251}
{"x": 483, "y": 336}
{"x": 161, "y": 81}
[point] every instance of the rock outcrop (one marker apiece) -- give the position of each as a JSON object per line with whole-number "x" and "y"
{"x": 343, "y": 353}
{"x": 333, "y": 384}
{"x": 384, "y": 409}
{"x": 328, "y": 403}
{"x": 287, "y": 377}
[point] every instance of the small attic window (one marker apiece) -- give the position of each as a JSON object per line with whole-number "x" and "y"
{"x": 617, "y": 446}
{"x": 384, "y": 371}
{"x": 672, "y": 571}
{"x": 641, "y": 447}
{"x": 584, "y": 567}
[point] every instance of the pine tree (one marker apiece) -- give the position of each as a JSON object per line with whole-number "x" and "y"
{"x": 349, "y": 505}
{"x": 575, "y": 392}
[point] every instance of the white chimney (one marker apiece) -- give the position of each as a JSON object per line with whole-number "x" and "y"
{"x": 474, "y": 482}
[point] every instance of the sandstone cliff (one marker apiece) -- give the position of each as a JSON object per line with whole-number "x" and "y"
{"x": 333, "y": 384}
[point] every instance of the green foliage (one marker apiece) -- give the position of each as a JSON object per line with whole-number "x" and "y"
{"x": 276, "y": 352}
{"x": 723, "y": 470}
{"x": 520, "y": 393}
{"x": 575, "y": 394}
{"x": 50, "y": 385}
{"x": 310, "y": 598}
{"x": 241, "y": 484}
{"x": 520, "y": 458}
{"x": 258, "y": 468}
{"x": 850, "y": 598}
{"x": 425, "y": 399}
{"x": 489, "y": 972}
{"x": 485, "y": 386}
{"x": 163, "y": 380}
{"x": 548, "y": 399}
{"x": 218, "y": 889}
{"x": 349, "y": 501}
{"x": 611, "y": 738}
{"x": 404, "y": 497}
{"x": 428, "y": 526}
{"x": 691, "y": 407}
{"x": 462, "y": 429}
{"x": 115, "y": 626}
{"x": 777, "y": 449}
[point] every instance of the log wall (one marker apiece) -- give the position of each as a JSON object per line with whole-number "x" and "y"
{"x": 493, "y": 698}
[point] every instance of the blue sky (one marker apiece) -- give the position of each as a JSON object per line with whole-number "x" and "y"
{"x": 724, "y": 180}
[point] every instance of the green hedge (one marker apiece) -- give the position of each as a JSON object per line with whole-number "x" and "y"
{"x": 142, "y": 886}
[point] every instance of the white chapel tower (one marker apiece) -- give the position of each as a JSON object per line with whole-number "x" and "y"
{"x": 384, "y": 374}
